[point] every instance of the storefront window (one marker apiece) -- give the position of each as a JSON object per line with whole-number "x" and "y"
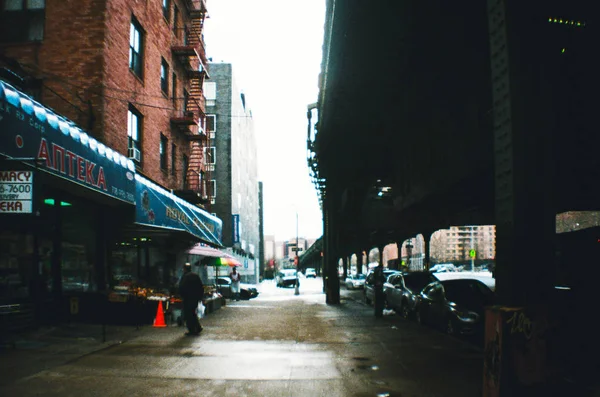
{"x": 15, "y": 265}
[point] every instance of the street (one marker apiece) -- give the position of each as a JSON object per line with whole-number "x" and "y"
{"x": 277, "y": 344}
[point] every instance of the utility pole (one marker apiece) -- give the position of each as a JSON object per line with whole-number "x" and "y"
{"x": 297, "y": 290}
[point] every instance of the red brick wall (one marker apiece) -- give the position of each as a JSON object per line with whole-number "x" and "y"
{"x": 69, "y": 59}
{"x": 85, "y": 57}
{"x": 123, "y": 87}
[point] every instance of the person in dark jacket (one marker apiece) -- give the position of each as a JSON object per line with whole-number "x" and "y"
{"x": 191, "y": 290}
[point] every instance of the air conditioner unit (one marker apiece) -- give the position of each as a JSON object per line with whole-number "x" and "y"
{"x": 134, "y": 154}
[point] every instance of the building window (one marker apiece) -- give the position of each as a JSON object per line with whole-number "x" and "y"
{"x": 211, "y": 122}
{"x": 175, "y": 18}
{"x": 22, "y": 20}
{"x": 135, "y": 47}
{"x": 213, "y": 188}
{"x": 166, "y": 6}
{"x": 209, "y": 154}
{"x": 134, "y": 134}
{"x": 210, "y": 93}
{"x": 164, "y": 76}
{"x": 173, "y": 157}
{"x": 185, "y": 164}
{"x": 174, "y": 89}
{"x": 164, "y": 144}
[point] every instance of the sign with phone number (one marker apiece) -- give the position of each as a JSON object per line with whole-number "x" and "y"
{"x": 16, "y": 192}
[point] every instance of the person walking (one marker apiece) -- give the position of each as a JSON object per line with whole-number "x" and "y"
{"x": 191, "y": 290}
{"x": 235, "y": 284}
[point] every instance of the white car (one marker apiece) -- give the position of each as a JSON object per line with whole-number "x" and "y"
{"x": 310, "y": 272}
{"x": 443, "y": 268}
{"x": 355, "y": 281}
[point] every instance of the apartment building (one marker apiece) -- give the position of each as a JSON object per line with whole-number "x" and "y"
{"x": 233, "y": 160}
{"x": 122, "y": 80}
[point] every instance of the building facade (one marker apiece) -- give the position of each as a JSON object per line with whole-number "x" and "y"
{"x": 234, "y": 165}
{"x": 456, "y": 243}
{"x": 106, "y": 84}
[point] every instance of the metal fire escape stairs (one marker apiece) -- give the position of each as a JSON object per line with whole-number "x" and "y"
{"x": 189, "y": 116}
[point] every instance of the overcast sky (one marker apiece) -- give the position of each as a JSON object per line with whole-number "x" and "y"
{"x": 275, "y": 48}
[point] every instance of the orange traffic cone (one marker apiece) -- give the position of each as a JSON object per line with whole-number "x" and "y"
{"x": 159, "y": 320}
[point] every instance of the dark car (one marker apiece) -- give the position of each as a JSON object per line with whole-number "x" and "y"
{"x": 287, "y": 278}
{"x": 369, "y": 287}
{"x": 247, "y": 291}
{"x": 402, "y": 290}
{"x": 456, "y": 306}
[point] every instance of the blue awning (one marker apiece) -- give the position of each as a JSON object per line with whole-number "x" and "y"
{"x": 156, "y": 206}
{"x": 30, "y": 130}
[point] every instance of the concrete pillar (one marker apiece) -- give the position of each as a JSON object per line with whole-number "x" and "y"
{"x": 331, "y": 279}
{"x": 427, "y": 248}
{"x": 525, "y": 123}
{"x": 359, "y": 262}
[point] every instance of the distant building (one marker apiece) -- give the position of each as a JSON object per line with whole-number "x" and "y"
{"x": 454, "y": 244}
{"x": 232, "y": 159}
{"x": 290, "y": 247}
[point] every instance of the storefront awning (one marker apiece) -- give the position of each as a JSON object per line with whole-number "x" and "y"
{"x": 157, "y": 207}
{"x": 28, "y": 130}
{"x": 204, "y": 250}
{"x": 213, "y": 256}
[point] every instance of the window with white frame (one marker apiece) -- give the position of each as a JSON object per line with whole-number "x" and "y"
{"x": 22, "y": 20}
{"x": 210, "y": 93}
{"x": 135, "y": 47}
{"x": 211, "y": 124}
{"x": 134, "y": 133}
{"x": 213, "y": 188}
{"x": 210, "y": 155}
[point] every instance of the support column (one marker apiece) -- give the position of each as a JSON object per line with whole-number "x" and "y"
{"x": 524, "y": 78}
{"x": 359, "y": 262}
{"x": 379, "y": 303}
{"x": 345, "y": 262}
{"x": 331, "y": 279}
{"x": 427, "y": 249}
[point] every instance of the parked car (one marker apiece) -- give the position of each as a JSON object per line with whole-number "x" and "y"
{"x": 286, "y": 278}
{"x": 310, "y": 272}
{"x": 369, "y": 288}
{"x": 401, "y": 291}
{"x": 456, "y": 306}
{"x": 443, "y": 267}
{"x": 247, "y": 291}
{"x": 355, "y": 281}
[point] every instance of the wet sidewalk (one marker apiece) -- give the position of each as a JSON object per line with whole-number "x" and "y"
{"x": 52, "y": 346}
{"x": 275, "y": 345}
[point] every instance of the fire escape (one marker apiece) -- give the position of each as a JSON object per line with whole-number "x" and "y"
{"x": 189, "y": 114}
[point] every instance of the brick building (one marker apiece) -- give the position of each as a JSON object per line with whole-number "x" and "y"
{"x": 118, "y": 81}
{"x": 108, "y": 63}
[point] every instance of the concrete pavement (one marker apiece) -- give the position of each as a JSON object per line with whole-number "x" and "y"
{"x": 275, "y": 345}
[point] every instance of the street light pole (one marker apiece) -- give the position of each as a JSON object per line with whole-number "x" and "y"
{"x": 297, "y": 290}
